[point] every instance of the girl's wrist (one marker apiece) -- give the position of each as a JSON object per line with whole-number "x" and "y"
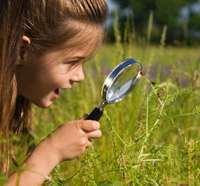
{"x": 43, "y": 159}
{"x": 51, "y": 151}
{"x": 38, "y": 166}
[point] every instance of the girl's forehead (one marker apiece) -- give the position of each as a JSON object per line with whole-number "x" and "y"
{"x": 83, "y": 45}
{"x": 86, "y": 42}
{"x": 86, "y": 37}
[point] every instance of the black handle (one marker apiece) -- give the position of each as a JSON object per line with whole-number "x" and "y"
{"x": 95, "y": 115}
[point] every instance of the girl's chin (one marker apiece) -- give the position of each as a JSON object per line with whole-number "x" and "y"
{"x": 45, "y": 104}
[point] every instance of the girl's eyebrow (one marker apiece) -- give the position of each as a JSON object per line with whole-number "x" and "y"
{"x": 76, "y": 58}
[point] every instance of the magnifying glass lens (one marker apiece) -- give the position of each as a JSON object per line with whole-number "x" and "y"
{"x": 122, "y": 84}
{"x": 119, "y": 83}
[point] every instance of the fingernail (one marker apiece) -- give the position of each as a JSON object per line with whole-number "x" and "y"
{"x": 97, "y": 124}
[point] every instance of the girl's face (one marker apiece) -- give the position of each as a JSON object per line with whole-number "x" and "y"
{"x": 40, "y": 78}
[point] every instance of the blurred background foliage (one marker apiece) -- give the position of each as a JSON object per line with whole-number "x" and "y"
{"x": 182, "y": 18}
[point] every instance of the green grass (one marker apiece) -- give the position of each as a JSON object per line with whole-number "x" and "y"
{"x": 146, "y": 140}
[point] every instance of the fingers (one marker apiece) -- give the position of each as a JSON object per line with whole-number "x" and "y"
{"x": 89, "y": 144}
{"x": 91, "y": 128}
{"x": 84, "y": 117}
{"x": 89, "y": 125}
{"x": 94, "y": 134}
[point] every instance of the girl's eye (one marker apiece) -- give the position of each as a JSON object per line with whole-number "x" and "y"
{"x": 73, "y": 63}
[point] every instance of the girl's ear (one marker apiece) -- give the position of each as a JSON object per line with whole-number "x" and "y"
{"x": 23, "y": 49}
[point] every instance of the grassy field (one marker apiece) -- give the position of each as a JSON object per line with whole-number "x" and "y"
{"x": 147, "y": 140}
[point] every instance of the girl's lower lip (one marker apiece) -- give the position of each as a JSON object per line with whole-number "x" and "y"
{"x": 56, "y": 96}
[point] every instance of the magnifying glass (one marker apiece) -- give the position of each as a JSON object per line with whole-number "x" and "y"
{"x": 119, "y": 83}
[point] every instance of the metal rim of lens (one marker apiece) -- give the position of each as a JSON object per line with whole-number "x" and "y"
{"x": 114, "y": 74}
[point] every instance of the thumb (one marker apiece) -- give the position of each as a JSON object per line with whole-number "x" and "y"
{"x": 84, "y": 117}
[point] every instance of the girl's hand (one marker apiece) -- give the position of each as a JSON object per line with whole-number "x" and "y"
{"x": 70, "y": 140}
{"x": 66, "y": 143}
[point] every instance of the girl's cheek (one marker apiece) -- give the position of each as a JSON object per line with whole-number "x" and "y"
{"x": 62, "y": 79}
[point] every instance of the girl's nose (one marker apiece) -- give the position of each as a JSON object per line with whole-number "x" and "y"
{"x": 78, "y": 75}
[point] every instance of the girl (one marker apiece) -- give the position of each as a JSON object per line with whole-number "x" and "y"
{"x": 43, "y": 45}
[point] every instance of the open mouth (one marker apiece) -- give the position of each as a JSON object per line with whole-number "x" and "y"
{"x": 56, "y": 93}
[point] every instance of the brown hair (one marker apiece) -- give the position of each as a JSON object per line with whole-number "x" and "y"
{"x": 42, "y": 21}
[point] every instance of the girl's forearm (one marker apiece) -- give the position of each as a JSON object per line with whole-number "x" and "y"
{"x": 68, "y": 142}
{"x": 37, "y": 167}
